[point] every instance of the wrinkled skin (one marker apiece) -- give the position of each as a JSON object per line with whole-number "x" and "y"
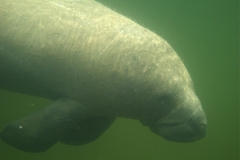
{"x": 95, "y": 65}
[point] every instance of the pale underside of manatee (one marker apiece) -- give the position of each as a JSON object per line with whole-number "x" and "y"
{"x": 95, "y": 65}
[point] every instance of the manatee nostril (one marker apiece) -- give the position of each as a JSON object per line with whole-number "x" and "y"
{"x": 202, "y": 129}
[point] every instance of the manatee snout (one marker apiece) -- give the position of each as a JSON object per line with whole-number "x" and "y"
{"x": 192, "y": 129}
{"x": 186, "y": 123}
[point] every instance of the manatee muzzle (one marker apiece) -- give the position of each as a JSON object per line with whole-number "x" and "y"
{"x": 182, "y": 128}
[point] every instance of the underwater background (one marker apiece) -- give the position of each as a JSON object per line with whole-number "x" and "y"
{"x": 205, "y": 34}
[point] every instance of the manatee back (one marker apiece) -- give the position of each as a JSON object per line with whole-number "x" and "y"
{"x": 82, "y": 49}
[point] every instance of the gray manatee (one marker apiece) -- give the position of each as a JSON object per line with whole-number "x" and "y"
{"x": 95, "y": 65}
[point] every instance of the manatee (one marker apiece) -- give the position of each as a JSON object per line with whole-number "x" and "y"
{"x": 95, "y": 65}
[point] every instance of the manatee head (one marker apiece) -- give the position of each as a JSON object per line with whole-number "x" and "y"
{"x": 185, "y": 120}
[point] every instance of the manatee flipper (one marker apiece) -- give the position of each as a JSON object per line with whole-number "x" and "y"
{"x": 43, "y": 129}
{"x": 87, "y": 130}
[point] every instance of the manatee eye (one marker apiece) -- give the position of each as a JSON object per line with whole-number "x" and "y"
{"x": 167, "y": 101}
